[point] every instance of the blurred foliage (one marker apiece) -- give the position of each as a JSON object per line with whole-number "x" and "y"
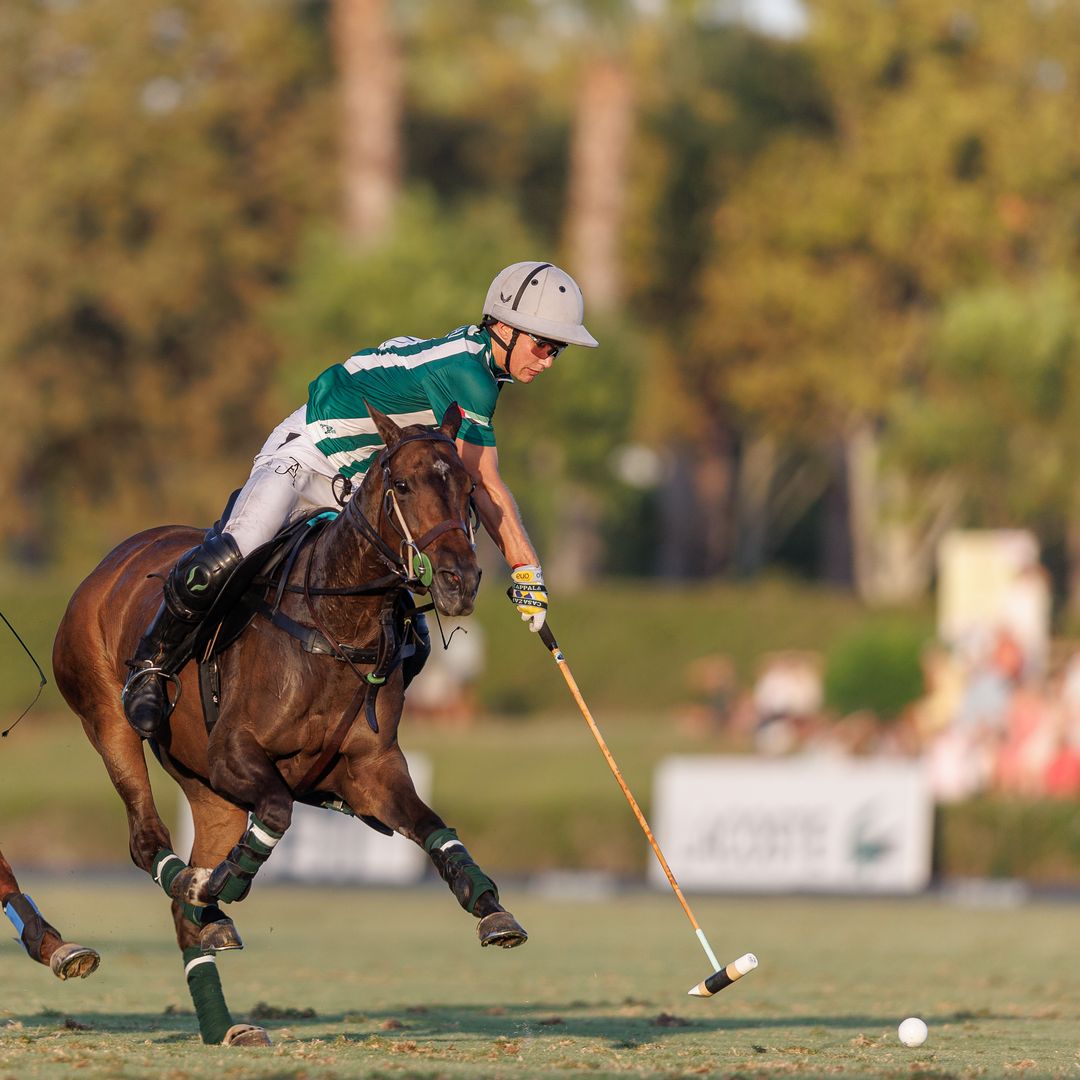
{"x": 1002, "y": 411}
{"x": 1011, "y": 839}
{"x": 869, "y": 227}
{"x": 158, "y": 173}
{"x": 877, "y": 668}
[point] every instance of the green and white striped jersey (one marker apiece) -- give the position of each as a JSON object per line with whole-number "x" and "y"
{"x": 412, "y": 381}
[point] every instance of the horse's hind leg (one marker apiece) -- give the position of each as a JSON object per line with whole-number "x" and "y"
{"x": 217, "y": 823}
{"x": 122, "y": 752}
{"x": 384, "y": 790}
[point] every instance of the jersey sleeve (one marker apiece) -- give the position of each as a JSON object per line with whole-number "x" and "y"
{"x": 476, "y": 394}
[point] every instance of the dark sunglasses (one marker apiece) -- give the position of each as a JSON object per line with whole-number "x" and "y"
{"x": 553, "y": 347}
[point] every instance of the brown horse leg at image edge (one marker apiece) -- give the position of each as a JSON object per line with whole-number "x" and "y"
{"x": 42, "y": 941}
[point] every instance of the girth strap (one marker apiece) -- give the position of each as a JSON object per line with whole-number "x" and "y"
{"x": 314, "y": 641}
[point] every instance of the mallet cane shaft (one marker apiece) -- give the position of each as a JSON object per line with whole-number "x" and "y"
{"x": 721, "y": 977}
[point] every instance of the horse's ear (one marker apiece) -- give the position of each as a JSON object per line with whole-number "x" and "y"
{"x": 387, "y": 429}
{"x": 451, "y": 420}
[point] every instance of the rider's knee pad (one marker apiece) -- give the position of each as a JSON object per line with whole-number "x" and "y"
{"x": 199, "y": 574}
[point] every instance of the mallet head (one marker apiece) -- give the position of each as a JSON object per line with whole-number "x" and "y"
{"x": 725, "y": 976}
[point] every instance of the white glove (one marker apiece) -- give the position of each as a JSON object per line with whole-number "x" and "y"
{"x": 528, "y": 594}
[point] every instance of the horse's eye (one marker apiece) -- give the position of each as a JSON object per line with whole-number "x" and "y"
{"x": 401, "y": 487}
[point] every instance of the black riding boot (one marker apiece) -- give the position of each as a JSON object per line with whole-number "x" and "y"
{"x": 190, "y": 590}
{"x": 145, "y": 694}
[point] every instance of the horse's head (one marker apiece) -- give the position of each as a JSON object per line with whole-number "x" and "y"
{"x": 425, "y": 509}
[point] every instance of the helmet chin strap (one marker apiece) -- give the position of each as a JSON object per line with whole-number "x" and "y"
{"x": 507, "y": 345}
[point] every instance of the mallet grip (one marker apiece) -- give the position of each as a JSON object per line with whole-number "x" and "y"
{"x": 725, "y": 976}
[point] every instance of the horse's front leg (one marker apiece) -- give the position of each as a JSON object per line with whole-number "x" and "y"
{"x": 241, "y": 772}
{"x": 382, "y": 788}
{"x": 202, "y": 930}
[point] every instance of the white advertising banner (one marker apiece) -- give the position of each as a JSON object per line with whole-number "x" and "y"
{"x": 328, "y": 847}
{"x": 799, "y": 824}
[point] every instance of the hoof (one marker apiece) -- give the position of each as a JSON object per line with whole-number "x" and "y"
{"x": 246, "y": 1035}
{"x": 74, "y": 961}
{"x": 502, "y": 929}
{"x": 190, "y": 886}
{"x": 219, "y": 936}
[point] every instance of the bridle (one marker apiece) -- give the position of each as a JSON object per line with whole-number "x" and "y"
{"x": 412, "y": 558}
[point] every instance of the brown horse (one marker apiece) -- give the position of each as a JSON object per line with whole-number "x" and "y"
{"x": 291, "y": 722}
{"x": 41, "y": 940}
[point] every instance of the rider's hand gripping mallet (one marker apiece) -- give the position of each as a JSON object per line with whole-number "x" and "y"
{"x": 722, "y": 976}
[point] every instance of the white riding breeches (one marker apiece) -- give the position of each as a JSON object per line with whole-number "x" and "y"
{"x": 289, "y": 477}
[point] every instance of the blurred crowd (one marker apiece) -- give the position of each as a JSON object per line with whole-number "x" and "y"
{"x": 991, "y": 721}
{"x": 999, "y": 712}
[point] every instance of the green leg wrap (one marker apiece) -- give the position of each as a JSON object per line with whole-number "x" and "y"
{"x": 232, "y": 878}
{"x": 204, "y": 985}
{"x": 167, "y": 864}
{"x": 457, "y": 868}
{"x": 202, "y": 916}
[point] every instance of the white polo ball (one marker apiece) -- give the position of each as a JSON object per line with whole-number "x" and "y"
{"x": 912, "y": 1031}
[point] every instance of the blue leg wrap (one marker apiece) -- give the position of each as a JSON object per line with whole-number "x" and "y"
{"x": 29, "y": 922}
{"x": 12, "y": 912}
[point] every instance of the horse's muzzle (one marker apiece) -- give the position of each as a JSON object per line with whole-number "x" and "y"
{"x": 454, "y": 589}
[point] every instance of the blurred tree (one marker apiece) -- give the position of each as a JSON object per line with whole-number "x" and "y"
{"x": 839, "y": 247}
{"x": 367, "y": 51}
{"x": 489, "y": 93}
{"x": 999, "y": 409}
{"x": 158, "y": 174}
{"x": 713, "y": 101}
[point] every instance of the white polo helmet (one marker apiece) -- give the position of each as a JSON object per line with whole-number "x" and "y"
{"x": 540, "y": 299}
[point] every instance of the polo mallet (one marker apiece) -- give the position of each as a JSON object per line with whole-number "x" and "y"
{"x": 722, "y": 976}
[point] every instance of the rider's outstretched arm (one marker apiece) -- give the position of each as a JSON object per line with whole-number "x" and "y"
{"x": 502, "y": 520}
{"x": 496, "y": 505}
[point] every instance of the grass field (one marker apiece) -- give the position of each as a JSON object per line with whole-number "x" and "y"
{"x": 361, "y": 983}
